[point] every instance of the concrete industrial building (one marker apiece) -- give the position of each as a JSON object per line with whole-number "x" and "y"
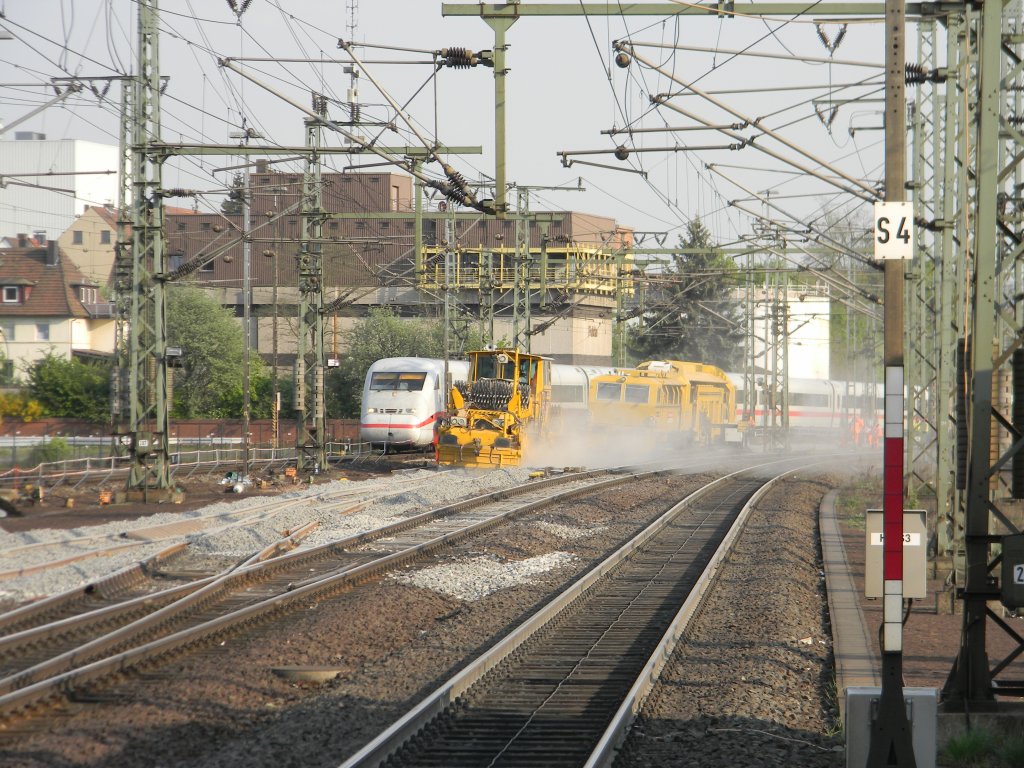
{"x": 48, "y": 182}
{"x": 369, "y": 260}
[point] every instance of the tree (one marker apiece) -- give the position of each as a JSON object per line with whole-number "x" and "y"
{"x": 209, "y": 381}
{"x": 71, "y": 388}
{"x": 381, "y": 334}
{"x": 693, "y": 315}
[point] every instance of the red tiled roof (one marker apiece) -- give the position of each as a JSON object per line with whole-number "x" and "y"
{"x": 53, "y": 287}
{"x": 30, "y": 241}
{"x": 109, "y": 215}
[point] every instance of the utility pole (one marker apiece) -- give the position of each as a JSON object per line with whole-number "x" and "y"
{"x": 891, "y": 737}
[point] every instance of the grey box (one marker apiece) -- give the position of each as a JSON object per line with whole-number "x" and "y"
{"x": 922, "y": 712}
{"x": 915, "y": 554}
{"x": 1011, "y": 591}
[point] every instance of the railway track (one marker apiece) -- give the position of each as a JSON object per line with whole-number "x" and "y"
{"x": 562, "y": 689}
{"x": 69, "y": 654}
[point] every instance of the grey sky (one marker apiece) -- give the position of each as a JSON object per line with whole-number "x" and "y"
{"x": 560, "y": 95}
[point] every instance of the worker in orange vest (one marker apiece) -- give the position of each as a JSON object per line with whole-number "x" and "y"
{"x": 876, "y": 434}
{"x": 858, "y": 428}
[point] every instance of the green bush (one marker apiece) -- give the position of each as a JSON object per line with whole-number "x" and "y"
{"x": 55, "y": 449}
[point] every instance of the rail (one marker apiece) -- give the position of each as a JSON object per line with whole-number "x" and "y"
{"x": 457, "y": 689}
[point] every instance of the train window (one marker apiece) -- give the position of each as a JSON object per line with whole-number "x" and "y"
{"x": 388, "y": 381}
{"x": 808, "y": 398}
{"x": 609, "y": 391}
{"x": 637, "y": 393}
{"x": 567, "y": 393}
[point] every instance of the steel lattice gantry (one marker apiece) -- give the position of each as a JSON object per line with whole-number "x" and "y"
{"x": 309, "y": 391}
{"x": 146, "y": 428}
{"x": 993, "y": 246}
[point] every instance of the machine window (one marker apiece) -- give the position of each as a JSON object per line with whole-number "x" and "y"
{"x": 637, "y": 393}
{"x": 609, "y": 391}
{"x": 397, "y": 382}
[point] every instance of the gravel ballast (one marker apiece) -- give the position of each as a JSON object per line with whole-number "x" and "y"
{"x": 228, "y": 543}
{"x": 752, "y": 684}
{"x": 391, "y": 643}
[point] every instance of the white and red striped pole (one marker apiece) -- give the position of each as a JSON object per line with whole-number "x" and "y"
{"x": 891, "y": 737}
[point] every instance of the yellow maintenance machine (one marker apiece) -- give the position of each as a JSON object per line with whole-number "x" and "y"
{"x": 489, "y": 415}
{"x": 690, "y": 402}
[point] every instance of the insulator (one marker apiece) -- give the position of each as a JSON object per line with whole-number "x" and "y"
{"x": 1017, "y": 411}
{"x": 823, "y": 37}
{"x": 300, "y": 383}
{"x": 915, "y": 73}
{"x": 1016, "y": 120}
{"x": 621, "y": 152}
{"x": 319, "y": 104}
{"x": 455, "y": 177}
{"x": 355, "y": 111}
{"x": 459, "y": 58}
{"x": 962, "y": 354}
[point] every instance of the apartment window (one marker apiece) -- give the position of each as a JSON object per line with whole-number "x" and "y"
{"x": 332, "y": 225}
{"x": 360, "y": 225}
{"x": 7, "y": 331}
{"x": 181, "y": 226}
{"x": 42, "y": 331}
{"x": 76, "y": 237}
{"x": 385, "y": 225}
{"x": 394, "y": 197}
{"x": 6, "y": 372}
{"x": 205, "y": 226}
{"x": 208, "y": 266}
{"x": 105, "y": 237}
{"x": 11, "y": 294}
{"x": 88, "y": 295}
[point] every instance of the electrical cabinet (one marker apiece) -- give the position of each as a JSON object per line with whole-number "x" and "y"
{"x": 915, "y": 554}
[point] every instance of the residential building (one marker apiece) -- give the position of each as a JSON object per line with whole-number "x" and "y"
{"x": 48, "y": 306}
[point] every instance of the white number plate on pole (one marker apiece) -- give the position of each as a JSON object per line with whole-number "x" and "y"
{"x": 894, "y": 230}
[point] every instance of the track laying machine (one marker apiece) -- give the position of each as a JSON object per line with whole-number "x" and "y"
{"x": 489, "y": 415}
{"x": 690, "y": 403}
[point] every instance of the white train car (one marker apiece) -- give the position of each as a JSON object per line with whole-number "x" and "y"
{"x": 817, "y": 405}
{"x": 402, "y": 400}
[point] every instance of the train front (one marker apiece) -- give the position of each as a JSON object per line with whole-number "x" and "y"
{"x": 487, "y": 416}
{"x": 398, "y": 409}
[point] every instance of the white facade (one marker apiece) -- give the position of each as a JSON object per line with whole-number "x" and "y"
{"x": 808, "y": 311}
{"x": 35, "y": 203}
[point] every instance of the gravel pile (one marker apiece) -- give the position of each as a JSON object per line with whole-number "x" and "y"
{"x": 477, "y": 577}
{"x": 230, "y": 542}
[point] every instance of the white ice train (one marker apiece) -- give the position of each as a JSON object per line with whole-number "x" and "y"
{"x": 402, "y": 400}
{"x": 817, "y": 405}
{"x": 403, "y": 397}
